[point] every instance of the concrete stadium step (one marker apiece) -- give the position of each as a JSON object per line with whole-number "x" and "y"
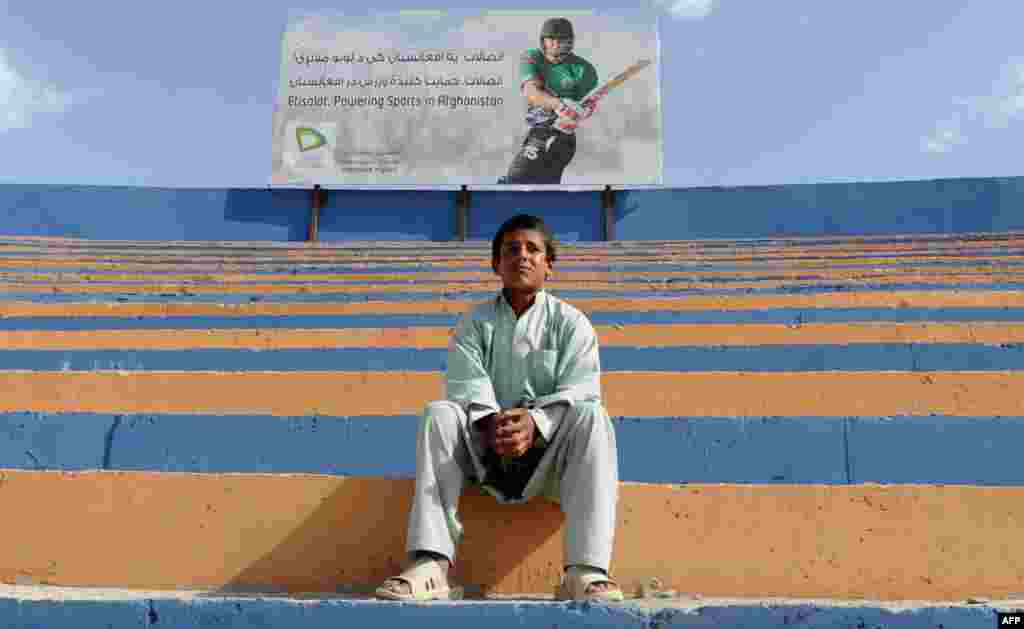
{"x": 1005, "y": 354}
{"x": 409, "y": 255}
{"x": 628, "y": 393}
{"x": 419, "y": 278}
{"x": 923, "y": 449}
{"x": 795, "y": 310}
{"x": 227, "y": 389}
{"x": 25, "y": 607}
{"x": 301, "y": 532}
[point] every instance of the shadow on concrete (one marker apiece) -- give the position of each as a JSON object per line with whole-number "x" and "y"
{"x": 356, "y": 539}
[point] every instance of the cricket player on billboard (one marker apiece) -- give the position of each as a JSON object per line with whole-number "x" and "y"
{"x": 561, "y": 90}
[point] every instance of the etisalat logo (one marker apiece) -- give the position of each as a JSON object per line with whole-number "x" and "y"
{"x": 313, "y": 146}
{"x": 309, "y": 138}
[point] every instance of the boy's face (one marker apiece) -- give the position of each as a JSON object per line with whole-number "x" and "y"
{"x": 523, "y": 260}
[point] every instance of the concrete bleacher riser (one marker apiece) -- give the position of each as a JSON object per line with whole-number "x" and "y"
{"x": 59, "y": 608}
{"x": 825, "y": 417}
{"x": 778, "y": 407}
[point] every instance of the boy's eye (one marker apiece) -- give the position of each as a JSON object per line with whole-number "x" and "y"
{"x": 515, "y": 248}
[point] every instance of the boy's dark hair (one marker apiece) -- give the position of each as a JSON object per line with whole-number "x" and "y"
{"x": 524, "y": 221}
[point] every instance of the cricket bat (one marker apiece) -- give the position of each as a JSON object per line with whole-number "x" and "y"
{"x": 601, "y": 91}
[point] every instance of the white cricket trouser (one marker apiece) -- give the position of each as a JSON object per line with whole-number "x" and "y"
{"x": 579, "y": 470}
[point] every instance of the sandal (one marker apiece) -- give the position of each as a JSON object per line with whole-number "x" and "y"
{"x": 578, "y": 579}
{"x": 427, "y": 582}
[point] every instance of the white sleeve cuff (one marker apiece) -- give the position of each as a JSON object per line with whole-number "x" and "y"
{"x": 546, "y": 424}
{"x": 479, "y": 411}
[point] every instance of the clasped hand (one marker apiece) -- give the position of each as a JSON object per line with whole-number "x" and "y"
{"x": 509, "y": 433}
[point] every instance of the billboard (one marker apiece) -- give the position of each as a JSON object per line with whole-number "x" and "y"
{"x": 482, "y": 98}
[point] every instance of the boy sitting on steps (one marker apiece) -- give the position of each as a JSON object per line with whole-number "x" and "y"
{"x": 523, "y": 418}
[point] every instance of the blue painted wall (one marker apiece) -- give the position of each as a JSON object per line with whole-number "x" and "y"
{"x": 938, "y": 206}
{"x": 386, "y": 215}
{"x": 941, "y": 206}
{"x": 573, "y": 216}
{"x": 123, "y": 213}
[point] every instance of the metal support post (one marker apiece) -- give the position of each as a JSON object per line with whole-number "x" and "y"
{"x": 314, "y": 219}
{"x": 608, "y": 212}
{"x": 462, "y": 214}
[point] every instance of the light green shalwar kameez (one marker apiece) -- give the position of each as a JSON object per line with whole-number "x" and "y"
{"x": 545, "y": 360}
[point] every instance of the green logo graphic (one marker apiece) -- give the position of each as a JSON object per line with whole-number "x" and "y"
{"x": 309, "y": 138}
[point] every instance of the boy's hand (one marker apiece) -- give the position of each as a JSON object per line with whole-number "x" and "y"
{"x": 510, "y": 433}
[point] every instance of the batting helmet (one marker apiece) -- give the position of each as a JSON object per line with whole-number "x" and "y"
{"x": 557, "y": 28}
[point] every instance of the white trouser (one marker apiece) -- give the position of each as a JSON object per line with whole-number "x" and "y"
{"x": 579, "y": 470}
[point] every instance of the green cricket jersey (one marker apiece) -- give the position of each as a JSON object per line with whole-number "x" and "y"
{"x": 573, "y": 78}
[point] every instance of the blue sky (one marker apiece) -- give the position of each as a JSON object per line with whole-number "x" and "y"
{"x": 753, "y": 91}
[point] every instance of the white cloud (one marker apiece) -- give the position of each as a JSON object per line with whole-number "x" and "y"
{"x": 689, "y": 9}
{"x": 943, "y": 139}
{"x": 21, "y": 98}
{"x": 1007, "y": 103}
{"x": 997, "y": 110}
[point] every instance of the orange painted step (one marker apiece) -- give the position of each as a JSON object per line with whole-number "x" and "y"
{"x": 637, "y": 394}
{"x": 319, "y": 533}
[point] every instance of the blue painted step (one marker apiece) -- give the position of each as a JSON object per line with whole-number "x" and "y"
{"x": 23, "y": 607}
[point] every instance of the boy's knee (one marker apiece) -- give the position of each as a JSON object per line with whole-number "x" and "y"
{"x": 591, "y": 409}
{"x": 588, "y": 413}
